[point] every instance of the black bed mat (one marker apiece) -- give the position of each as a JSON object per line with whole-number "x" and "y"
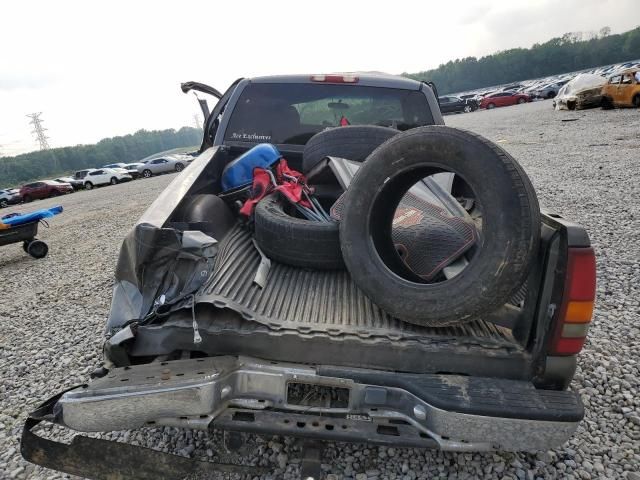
{"x": 325, "y": 302}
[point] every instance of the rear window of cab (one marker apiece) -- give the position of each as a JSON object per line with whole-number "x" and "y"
{"x": 292, "y": 113}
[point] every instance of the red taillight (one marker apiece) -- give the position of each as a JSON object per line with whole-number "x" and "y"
{"x": 334, "y": 78}
{"x": 576, "y": 309}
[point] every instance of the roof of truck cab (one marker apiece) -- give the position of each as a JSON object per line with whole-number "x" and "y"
{"x": 367, "y": 79}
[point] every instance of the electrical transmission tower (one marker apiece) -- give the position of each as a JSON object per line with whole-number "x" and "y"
{"x": 196, "y": 121}
{"x": 38, "y": 130}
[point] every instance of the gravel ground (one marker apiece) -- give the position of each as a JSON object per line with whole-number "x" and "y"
{"x": 584, "y": 166}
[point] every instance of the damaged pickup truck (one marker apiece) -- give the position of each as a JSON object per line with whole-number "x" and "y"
{"x": 336, "y": 264}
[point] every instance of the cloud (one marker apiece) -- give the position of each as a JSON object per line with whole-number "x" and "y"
{"x": 27, "y": 80}
{"x": 473, "y": 14}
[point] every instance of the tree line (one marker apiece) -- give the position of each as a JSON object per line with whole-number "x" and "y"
{"x": 569, "y": 53}
{"x": 128, "y": 148}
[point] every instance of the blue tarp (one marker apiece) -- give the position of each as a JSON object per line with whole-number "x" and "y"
{"x": 22, "y": 218}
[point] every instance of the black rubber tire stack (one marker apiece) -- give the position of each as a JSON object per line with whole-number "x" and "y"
{"x": 510, "y": 230}
{"x": 296, "y": 241}
{"x": 354, "y": 142}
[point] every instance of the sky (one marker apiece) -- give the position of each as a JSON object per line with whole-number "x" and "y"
{"x": 100, "y": 69}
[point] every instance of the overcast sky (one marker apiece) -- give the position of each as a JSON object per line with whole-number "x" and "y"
{"x": 99, "y": 69}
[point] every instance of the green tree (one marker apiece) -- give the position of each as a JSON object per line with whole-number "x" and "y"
{"x": 128, "y": 148}
{"x": 573, "y": 51}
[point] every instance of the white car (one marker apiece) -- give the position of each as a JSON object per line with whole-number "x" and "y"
{"x": 9, "y": 196}
{"x": 105, "y": 176}
{"x": 162, "y": 165}
{"x": 116, "y": 165}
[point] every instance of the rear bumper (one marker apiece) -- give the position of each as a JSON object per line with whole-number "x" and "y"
{"x": 441, "y": 411}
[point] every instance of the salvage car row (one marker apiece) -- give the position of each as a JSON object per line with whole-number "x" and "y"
{"x": 90, "y": 178}
{"x": 612, "y": 86}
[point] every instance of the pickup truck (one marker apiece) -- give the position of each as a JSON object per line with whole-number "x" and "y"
{"x": 193, "y": 342}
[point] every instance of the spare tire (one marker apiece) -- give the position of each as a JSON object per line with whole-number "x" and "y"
{"x": 502, "y": 256}
{"x": 353, "y": 142}
{"x": 296, "y": 241}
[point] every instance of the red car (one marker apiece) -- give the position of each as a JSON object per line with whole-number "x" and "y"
{"x": 44, "y": 189}
{"x": 503, "y": 99}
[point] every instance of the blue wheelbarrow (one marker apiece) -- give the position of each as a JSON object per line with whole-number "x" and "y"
{"x": 15, "y": 228}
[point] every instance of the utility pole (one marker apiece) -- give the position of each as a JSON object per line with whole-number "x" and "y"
{"x": 196, "y": 121}
{"x": 38, "y": 130}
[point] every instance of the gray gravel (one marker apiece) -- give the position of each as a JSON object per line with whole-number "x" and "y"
{"x": 52, "y": 312}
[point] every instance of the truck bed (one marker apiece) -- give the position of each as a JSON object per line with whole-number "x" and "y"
{"x": 319, "y": 315}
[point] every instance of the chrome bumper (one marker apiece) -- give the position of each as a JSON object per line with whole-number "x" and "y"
{"x": 251, "y": 395}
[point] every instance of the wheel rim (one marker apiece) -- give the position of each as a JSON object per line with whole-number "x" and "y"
{"x": 88, "y": 186}
{"x": 146, "y": 174}
{"x": 179, "y": 168}
{"x": 490, "y": 106}
{"x": 113, "y": 181}
{"x": 467, "y": 108}
{"x": 4, "y": 203}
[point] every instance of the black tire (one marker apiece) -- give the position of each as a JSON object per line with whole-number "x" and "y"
{"x": 491, "y": 106}
{"x": 146, "y": 173}
{"x": 354, "y": 142}
{"x": 25, "y": 246}
{"x": 37, "y": 249}
{"x": 636, "y": 101}
{"x": 606, "y": 103}
{"x": 521, "y": 101}
{"x": 295, "y": 241}
{"x": 179, "y": 167}
{"x": 27, "y": 199}
{"x": 88, "y": 186}
{"x": 55, "y": 193}
{"x": 551, "y": 94}
{"x": 510, "y": 229}
{"x": 113, "y": 181}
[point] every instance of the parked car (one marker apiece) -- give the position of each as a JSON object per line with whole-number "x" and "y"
{"x": 512, "y": 88}
{"x": 453, "y": 104}
{"x": 105, "y": 176}
{"x": 161, "y": 165}
{"x": 194, "y": 335}
{"x": 549, "y": 90}
{"x": 44, "y": 189}
{"x": 583, "y": 91}
{"x": 115, "y": 165}
{"x": 622, "y": 90}
{"x": 9, "y": 196}
{"x": 76, "y": 184}
{"x": 80, "y": 174}
{"x": 134, "y": 169}
{"x": 503, "y": 99}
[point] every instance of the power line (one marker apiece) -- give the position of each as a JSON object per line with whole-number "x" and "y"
{"x": 38, "y": 130}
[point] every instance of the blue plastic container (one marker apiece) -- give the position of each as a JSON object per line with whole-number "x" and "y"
{"x": 239, "y": 173}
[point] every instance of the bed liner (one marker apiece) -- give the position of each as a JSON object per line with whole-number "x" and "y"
{"x": 323, "y": 302}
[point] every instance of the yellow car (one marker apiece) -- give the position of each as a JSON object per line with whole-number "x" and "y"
{"x": 622, "y": 90}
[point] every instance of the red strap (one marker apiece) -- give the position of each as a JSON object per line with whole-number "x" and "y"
{"x": 291, "y": 184}
{"x": 261, "y": 188}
